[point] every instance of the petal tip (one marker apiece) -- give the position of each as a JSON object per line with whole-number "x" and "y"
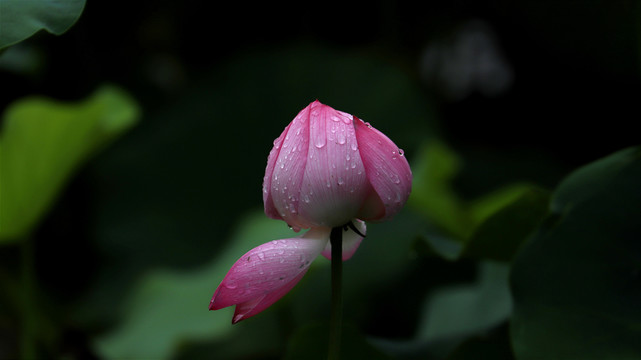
{"x": 237, "y": 318}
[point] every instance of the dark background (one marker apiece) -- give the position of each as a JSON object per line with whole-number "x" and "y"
{"x": 547, "y": 86}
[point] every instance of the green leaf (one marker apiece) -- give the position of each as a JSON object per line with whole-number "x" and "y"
{"x": 500, "y": 235}
{"x": 577, "y": 282}
{"x": 462, "y": 310}
{"x": 169, "y": 308}
{"x": 19, "y": 19}
{"x": 432, "y": 194}
{"x": 43, "y": 141}
{"x": 490, "y": 227}
{"x": 453, "y": 313}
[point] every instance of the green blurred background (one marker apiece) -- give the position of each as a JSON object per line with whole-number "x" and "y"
{"x": 495, "y": 103}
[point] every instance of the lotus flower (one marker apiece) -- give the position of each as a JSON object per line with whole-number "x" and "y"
{"x": 327, "y": 169}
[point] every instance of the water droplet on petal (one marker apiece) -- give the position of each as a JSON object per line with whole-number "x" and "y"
{"x": 401, "y": 152}
{"x": 395, "y": 179}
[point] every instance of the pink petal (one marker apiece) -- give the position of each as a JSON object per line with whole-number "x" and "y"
{"x": 334, "y": 184}
{"x": 268, "y": 267}
{"x": 284, "y": 173}
{"x": 270, "y": 209}
{"x": 252, "y": 307}
{"x": 351, "y": 241}
{"x": 387, "y": 169}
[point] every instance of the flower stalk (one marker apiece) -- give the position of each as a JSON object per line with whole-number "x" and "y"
{"x": 336, "y": 314}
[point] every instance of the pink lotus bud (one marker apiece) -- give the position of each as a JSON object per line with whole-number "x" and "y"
{"x": 329, "y": 167}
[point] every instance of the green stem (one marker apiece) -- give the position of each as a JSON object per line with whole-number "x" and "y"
{"x": 336, "y": 316}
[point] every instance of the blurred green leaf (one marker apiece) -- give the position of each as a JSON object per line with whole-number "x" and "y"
{"x": 501, "y": 234}
{"x": 43, "y": 141}
{"x": 434, "y": 169}
{"x": 462, "y": 310}
{"x": 19, "y": 19}
{"x": 452, "y": 313}
{"x": 169, "y": 308}
{"x": 489, "y": 204}
{"x": 577, "y": 282}
{"x": 490, "y": 227}
{"x": 311, "y": 343}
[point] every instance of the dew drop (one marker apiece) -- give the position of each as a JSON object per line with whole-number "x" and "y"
{"x": 354, "y": 146}
{"x": 395, "y": 179}
{"x": 261, "y": 256}
{"x": 401, "y": 152}
{"x": 335, "y": 118}
{"x": 340, "y": 181}
{"x": 231, "y": 285}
